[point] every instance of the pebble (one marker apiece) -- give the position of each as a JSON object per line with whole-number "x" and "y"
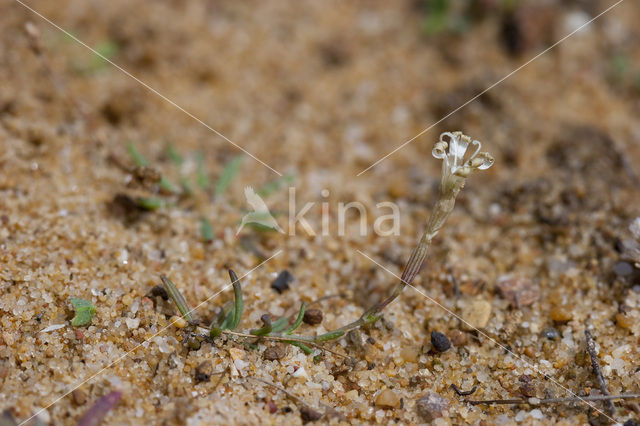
{"x": 275, "y": 352}
{"x": 203, "y": 371}
{"x": 237, "y": 354}
{"x": 457, "y": 337}
{"x": 308, "y": 414}
{"x": 79, "y": 396}
{"x": 132, "y": 323}
{"x": 551, "y": 333}
{"x": 178, "y": 321}
{"x": 388, "y": 399}
{"x": 282, "y": 281}
{"x": 518, "y": 291}
{"x": 476, "y": 314}
{"x": 560, "y": 314}
{"x": 312, "y": 317}
{"x": 439, "y": 341}
{"x": 432, "y": 406}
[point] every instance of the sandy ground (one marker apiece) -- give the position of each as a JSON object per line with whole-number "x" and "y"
{"x": 318, "y": 91}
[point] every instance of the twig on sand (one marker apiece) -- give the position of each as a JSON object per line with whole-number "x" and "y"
{"x": 591, "y": 348}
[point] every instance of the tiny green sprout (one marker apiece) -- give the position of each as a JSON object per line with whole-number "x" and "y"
{"x": 275, "y": 185}
{"x": 136, "y": 156}
{"x": 174, "y": 155}
{"x": 177, "y": 298}
{"x": 85, "y": 310}
{"x": 229, "y": 172}
{"x": 202, "y": 178}
{"x": 206, "y": 230}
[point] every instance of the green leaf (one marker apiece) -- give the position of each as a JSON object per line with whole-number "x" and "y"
{"x": 279, "y": 325}
{"x": 85, "y": 310}
{"x": 306, "y": 349}
{"x": 167, "y": 185}
{"x": 230, "y": 171}
{"x": 136, "y": 156}
{"x": 273, "y": 186}
{"x": 239, "y": 302}
{"x": 202, "y": 179}
{"x": 330, "y": 336}
{"x": 206, "y": 230}
{"x": 298, "y": 321}
{"x": 177, "y": 298}
{"x": 265, "y": 329}
{"x": 174, "y": 155}
{"x": 151, "y": 203}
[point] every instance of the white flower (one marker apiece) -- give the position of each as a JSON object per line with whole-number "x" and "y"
{"x": 454, "y": 162}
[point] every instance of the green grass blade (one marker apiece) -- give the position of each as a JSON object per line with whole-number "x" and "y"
{"x": 202, "y": 178}
{"x": 136, "y": 155}
{"x": 174, "y": 155}
{"x": 265, "y": 329}
{"x": 239, "y": 302}
{"x": 229, "y": 172}
{"x": 177, "y": 297}
{"x": 279, "y": 325}
{"x": 298, "y": 321}
{"x": 306, "y": 349}
{"x": 151, "y": 203}
{"x": 273, "y": 186}
{"x": 206, "y": 230}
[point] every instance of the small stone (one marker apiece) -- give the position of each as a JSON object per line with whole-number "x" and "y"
{"x": 159, "y": 291}
{"x": 439, "y": 341}
{"x": 622, "y": 269}
{"x": 275, "y": 352}
{"x": 409, "y": 354}
{"x": 282, "y": 281}
{"x": 457, "y": 337}
{"x": 624, "y": 321}
{"x": 560, "y": 314}
{"x": 79, "y": 396}
{"x": 79, "y": 334}
{"x": 308, "y": 414}
{"x": 432, "y": 406}
{"x": 132, "y": 323}
{"x": 476, "y": 314}
{"x": 312, "y": 317}
{"x": 518, "y": 291}
{"x": 203, "y": 371}
{"x": 178, "y": 321}
{"x": 388, "y": 399}
{"x": 528, "y": 389}
{"x": 551, "y": 333}
{"x": 237, "y": 354}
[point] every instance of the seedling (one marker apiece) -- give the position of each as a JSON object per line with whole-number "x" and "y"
{"x": 456, "y": 167}
{"x": 85, "y": 310}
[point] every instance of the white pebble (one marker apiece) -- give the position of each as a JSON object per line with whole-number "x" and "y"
{"x": 52, "y": 328}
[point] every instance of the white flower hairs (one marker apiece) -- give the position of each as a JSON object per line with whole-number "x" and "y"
{"x": 453, "y": 159}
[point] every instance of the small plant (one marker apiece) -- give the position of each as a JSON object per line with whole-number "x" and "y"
{"x": 456, "y": 167}
{"x": 85, "y": 311}
{"x": 161, "y": 192}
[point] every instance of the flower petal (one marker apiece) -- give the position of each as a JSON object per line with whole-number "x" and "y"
{"x": 482, "y": 161}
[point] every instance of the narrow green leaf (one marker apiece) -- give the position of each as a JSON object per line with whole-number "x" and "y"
{"x": 136, "y": 156}
{"x": 174, "y": 155}
{"x": 202, "y": 179}
{"x": 279, "y": 325}
{"x": 298, "y": 321}
{"x": 330, "y": 336}
{"x": 177, "y": 298}
{"x": 230, "y": 171}
{"x": 85, "y": 310}
{"x": 239, "y": 302}
{"x": 273, "y": 186}
{"x": 306, "y": 349}
{"x": 167, "y": 186}
{"x": 265, "y": 329}
{"x": 151, "y": 203}
{"x": 206, "y": 230}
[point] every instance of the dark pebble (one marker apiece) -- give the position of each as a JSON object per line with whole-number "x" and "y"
{"x": 622, "y": 269}
{"x": 159, "y": 291}
{"x": 203, "y": 371}
{"x": 309, "y": 415}
{"x": 275, "y": 352}
{"x": 439, "y": 341}
{"x": 312, "y": 317}
{"x": 551, "y": 333}
{"x": 282, "y": 281}
{"x": 631, "y": 422}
